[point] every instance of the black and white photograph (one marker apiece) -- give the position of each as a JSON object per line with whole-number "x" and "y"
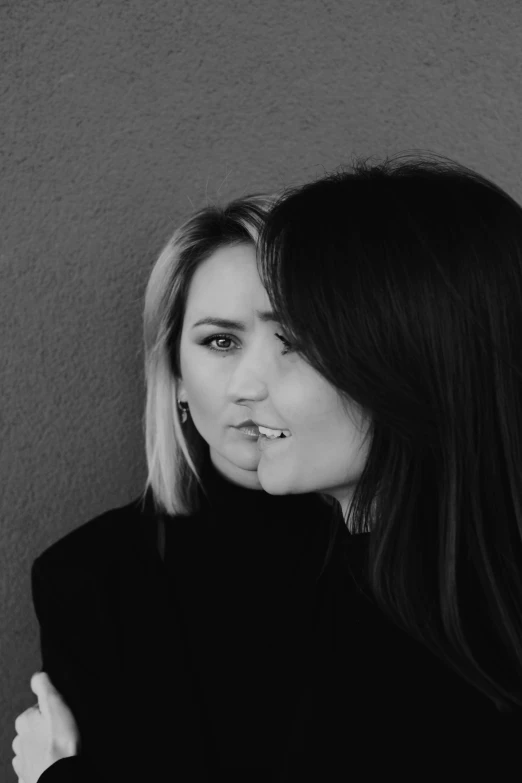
{"x": 261, "y": 391}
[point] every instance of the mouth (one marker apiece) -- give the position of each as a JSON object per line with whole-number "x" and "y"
{"x": 267, "y": 443}
{"x": 273, "y": 435}
{"x": 254, "y": 430}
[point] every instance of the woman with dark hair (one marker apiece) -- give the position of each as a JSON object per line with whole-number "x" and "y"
{"x": 177, "y": 629}
{"x": 399, "y": 288}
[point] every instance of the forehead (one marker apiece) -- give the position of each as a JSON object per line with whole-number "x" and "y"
{"x": 227, "y": 281}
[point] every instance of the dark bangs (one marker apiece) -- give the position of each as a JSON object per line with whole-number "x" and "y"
{"x": 379, "y": 273}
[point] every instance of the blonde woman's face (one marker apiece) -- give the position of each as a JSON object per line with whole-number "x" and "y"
{"x": 234, "y": 372}
{"x": 215, "y": 357}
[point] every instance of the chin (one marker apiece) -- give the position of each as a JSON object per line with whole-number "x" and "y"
{"x": 273, "y": 483}
{"x": 246, "y": 459}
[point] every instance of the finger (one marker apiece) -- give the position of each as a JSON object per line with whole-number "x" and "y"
{"x": 21, "y": 721}
{"x": 16, "y": 767}
{"x": 25, "y": 719}
{"x": 42, "y": 686}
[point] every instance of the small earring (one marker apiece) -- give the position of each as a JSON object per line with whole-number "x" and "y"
{"x": 183, "y": 406}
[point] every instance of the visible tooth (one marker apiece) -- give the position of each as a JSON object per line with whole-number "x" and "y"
{"x": 273, "y": 434}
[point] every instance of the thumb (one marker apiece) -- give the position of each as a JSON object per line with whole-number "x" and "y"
{"x": 42, "y": 686}
{"x": 59, "y": 719}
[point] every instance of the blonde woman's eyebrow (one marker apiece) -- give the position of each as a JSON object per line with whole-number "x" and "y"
{"x": 226, "y": 323}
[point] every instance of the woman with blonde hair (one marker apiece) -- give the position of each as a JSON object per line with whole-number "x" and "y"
{"x": 176, "y": 631}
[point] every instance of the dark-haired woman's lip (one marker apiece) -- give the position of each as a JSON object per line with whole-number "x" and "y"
{"x": 265, "y": 443}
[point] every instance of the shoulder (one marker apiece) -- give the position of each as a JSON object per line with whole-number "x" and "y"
{"x": 101, "y": 540}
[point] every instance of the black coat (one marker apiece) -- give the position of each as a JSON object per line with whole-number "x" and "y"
{"x": 231, "y": 660}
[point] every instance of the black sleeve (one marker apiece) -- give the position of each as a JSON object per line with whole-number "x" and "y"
{"x": 78, "y": 650}
{"x": 74, "y": 769}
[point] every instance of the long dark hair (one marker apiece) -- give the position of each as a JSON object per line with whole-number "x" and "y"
{"x": 401, "y": 283}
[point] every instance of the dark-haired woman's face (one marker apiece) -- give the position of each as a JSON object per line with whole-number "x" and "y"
{"x": 231, "y": 374}
{"x": 327, "y": 448}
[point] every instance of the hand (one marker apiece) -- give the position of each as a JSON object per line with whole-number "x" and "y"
{"x": 46, "y": 732}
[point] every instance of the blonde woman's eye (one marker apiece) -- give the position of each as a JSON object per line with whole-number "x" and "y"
{"x": 215, "y": 338}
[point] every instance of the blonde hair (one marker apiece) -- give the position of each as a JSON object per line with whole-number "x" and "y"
{"x": 175, "y": 452}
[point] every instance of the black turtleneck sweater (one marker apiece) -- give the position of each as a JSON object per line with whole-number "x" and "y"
{"x": 232, "y": 659}
{"x": 245, "y": 579}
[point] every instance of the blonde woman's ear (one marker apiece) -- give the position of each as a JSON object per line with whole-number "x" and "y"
{"x": 181, "y": 392}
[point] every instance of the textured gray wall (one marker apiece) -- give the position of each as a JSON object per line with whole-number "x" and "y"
{"x": 117, "y": 117}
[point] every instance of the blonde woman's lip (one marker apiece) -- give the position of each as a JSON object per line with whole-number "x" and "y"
{"x": 245, "y": 423}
